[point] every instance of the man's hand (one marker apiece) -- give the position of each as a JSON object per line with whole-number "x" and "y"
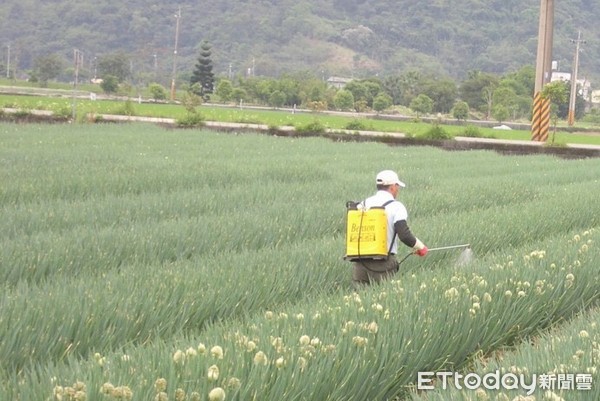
{"x": 420, "y": 248}
{"x": 422, "y": 251}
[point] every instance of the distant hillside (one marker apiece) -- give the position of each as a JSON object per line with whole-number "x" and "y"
{"x": 326, "y": 37}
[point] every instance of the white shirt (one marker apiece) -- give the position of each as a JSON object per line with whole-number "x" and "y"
{"x": 395, "y": 211}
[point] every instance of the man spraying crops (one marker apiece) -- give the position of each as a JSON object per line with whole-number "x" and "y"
{"x": 372, "y": 228}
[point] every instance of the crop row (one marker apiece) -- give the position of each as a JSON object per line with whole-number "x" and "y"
{"x": 561, "y": 364}
{"x": 363, "y": 345}
{"x": 113, "y": 211}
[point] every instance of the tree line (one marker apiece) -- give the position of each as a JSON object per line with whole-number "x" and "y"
{"x": 491, "y": 96}
{"x": 503, "y": 98}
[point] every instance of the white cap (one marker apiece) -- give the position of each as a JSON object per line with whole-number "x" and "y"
{"x": 388, "y": 177}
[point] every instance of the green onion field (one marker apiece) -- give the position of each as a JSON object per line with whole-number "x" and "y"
{"x": 144, "y": 263}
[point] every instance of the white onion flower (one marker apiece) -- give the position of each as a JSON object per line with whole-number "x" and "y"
{"x": 217, "y": 352}
{"x": 213, "y": 373}
{"x": 260, "y": 358}
{"x": 160, "y": 384}
{"x": 179, "y": 357}
{"x": 216, "y": 394}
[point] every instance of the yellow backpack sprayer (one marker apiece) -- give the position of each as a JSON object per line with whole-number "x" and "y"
{"x": 366, "y": 232}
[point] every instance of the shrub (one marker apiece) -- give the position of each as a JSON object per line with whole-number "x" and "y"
{"x": 110, "y": 84}
{"x": 460, "y": 111}
{"x": 157, "y": 91}
{"x": 273, "y": 130}
{"x": 593, "y": 117}
{"x": 22, "y": 113}
{"x": 317, "y": 105}
{"x": 472, "y": 131}
{"x": 127, "y": 109}
{"x": 436, "y": 132}
{"x": 62, "y": 110}
{"x": 191, "y": 119}
{"x": 344, "y": 100}
{"x": 356, "y": 125}
{"x": 314, "y": 127}
{"x": 422, "y": 104}
{"x": 382, "y": 101}
{"x": 277, "y": 99}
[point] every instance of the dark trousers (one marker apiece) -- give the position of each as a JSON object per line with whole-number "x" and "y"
{"x": 373, "y": 271}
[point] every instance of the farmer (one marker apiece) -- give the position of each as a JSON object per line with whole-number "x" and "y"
{"x": 365, "y": 271}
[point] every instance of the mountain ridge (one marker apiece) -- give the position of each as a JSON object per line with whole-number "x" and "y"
{"x": 357, "y": 38}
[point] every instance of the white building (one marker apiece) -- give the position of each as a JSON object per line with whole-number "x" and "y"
{"x": 338, "y": 82}
{"x": 584, "y": 86}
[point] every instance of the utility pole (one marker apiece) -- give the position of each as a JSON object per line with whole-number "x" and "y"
{"x": 155, "y": 67}
{"x": 177, "y": 17}
{"x": 540, "y": 124}
{"x": 573, "y": 98}
{"x": 78, "y": 61}
{"x": 8, "y": 61}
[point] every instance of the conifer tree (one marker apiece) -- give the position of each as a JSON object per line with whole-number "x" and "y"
{"x": 203, "y": 78}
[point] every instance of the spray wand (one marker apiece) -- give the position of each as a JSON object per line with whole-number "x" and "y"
{"x": 441, "y": 248}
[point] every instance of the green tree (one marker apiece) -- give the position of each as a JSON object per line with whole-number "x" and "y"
{"x": 361, "y": 106}
{"x": 506, "y": 97}
{"x": 316, "y": 93}
{"x": 203, "y": 72}
{"x": 422, "y": 104}
{"x": 392, "y": 85}
{"x": 521, "y": 81}
{"x": 443, "y": 92}
{"x": 277, "y": 99}
{"x": 515, "y": 92}
{"x": 460, "y": 111}
{"x": 239, "y": 94}
{"x": 381, "y": 102}
{"x": 358, "y": 89}
{"x": 500, "y": 113}
{"x": 562, "y": 106}
{"x": 157, "y": 91}
{"x": 291, "y": 87}
{"x": 110, "y": 84}
{"x": 556, "y": 92}
{"x": 224, "y": 90}
{"x": 192, "y": 118}
{"x": 257, "y": 89}
{"x": 48, "y": 68}
{"x": 116, "y": 65}
{"x": 410, "y": 84}
{"x": 476, "y": 90}
{"x": 373, "y": 87}
{"x": 344, "y": 100}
